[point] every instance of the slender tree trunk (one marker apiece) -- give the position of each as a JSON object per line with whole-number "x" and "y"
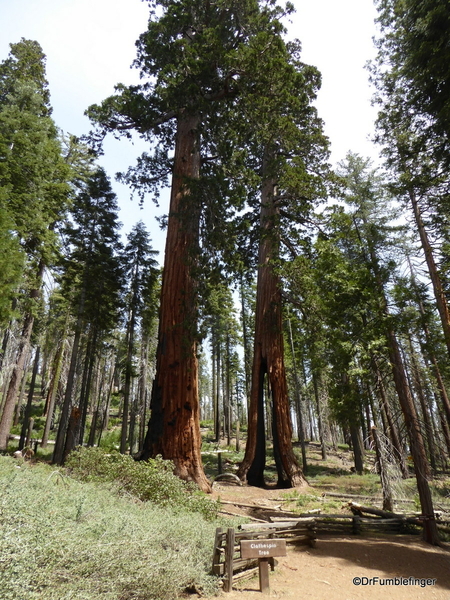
{"x": 4, "y": 348}
{"x": 245, "y": 344}
{"x": 357, "y": 445}
{"x": 23, "y": 383}
{"x": 215, "y": 387}
{"x": 320, "y": 424}
{"x": 268, "y": 358}
{"x": 100, "y": 379}
{"x": 58, "y": 453}
{"x": 128, "y": 367}
{"x": 143, "y": 387}
{"x": 86, "y": 386}
{"x": 27, "y": 416}
{"x": 105, "y": 421}
{"x": 105, "y": 415}
{"x": 416, "y": 443}
{"x": 444, "y": 427}
{"x": 174, "y": 427}
{"x": 439, "y": 293}
{"x": 73, "y": 428}
{"x": 16, "y": 376}
{"x": 300, "y": 426}
{"x": 312, "y": 429}
{"x": 386, "y": 484}
{"x": 6, "y": 337}
{"x": 432, "y": 357}
{"x": 51, "y": 398}
{"x": 417, "y": 446}
{"x": 44, "y": 372}
{"x": 227, "y": 408}
{"x": 417, "y": 384}
{"x": 391, "y": 430}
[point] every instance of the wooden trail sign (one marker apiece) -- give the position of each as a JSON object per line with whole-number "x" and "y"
{"x": 263, "y": 550}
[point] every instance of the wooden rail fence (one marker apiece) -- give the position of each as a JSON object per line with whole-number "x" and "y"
{"x": 229, "y": 564}
{"x": 227, "y": 560}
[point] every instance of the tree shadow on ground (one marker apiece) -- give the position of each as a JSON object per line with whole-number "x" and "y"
{"x": 402, "y": 556}
{"x": 314, "y": 470}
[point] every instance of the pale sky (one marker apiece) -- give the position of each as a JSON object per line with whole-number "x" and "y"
{"x": 90, "y": 46}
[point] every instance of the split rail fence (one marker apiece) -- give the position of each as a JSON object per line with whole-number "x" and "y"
{"x": 231, "y": 567}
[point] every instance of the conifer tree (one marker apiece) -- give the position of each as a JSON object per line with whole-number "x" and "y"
{"x": 34, "y": 189}
{"x": 140, "y": 270}
{"x": 92, "y": 282}
{"x": 191, "y": 60}
{"x": 288, "y": 152}
{"x": 366, "y": 194}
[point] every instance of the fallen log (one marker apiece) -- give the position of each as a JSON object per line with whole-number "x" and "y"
{"x": 358, "y": 509}
{"x": 277, "y": 525}
{"x": 254, "y": 506}
{"x": 364, "y": 497}
{"x": 226, "y": 512}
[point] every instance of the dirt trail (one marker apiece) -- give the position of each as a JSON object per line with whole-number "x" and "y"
{"x": 327, "y": 571}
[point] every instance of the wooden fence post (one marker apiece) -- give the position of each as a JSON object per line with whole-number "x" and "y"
{"x": 216, "y": 553}
{"x": 229, "y": 555}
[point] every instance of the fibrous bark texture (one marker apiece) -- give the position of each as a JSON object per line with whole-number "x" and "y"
{"x": 268, "y": 359}
{"x": 174, "y": 429}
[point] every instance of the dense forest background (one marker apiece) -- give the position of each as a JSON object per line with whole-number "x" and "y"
{"x": 296, "y": 301}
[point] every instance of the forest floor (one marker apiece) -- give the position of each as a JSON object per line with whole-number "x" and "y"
{"x": 328, "y": 571}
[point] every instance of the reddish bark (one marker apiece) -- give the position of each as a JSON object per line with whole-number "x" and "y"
{"x": 11, "y": 395}
{"x": 174, "y": 428}
{"x": 16, "y": 376}
{"x": 268, "y": 358}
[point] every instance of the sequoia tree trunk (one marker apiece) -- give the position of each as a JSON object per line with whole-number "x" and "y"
{"x": 268, "y": 358}
{"x": 174, "y": 427}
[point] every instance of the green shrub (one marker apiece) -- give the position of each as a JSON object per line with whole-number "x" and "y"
{"x": 151, "y": 480}
{"x": 67, "y": 540}
{"x": 110, "y": 439}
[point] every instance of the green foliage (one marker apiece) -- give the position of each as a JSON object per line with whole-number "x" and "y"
{"x": 92, "y": 273}
{"x": 34, "y": 177}
{"x": 11, "y": 263}
{"x": 62, "y": 539}
{"x": 111, "y": 439}
{"x": 414, "y": 68}
{"x": 151, "y": 480}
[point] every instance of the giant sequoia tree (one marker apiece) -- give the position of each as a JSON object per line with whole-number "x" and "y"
{"x": 190, "y": 59}
{"x": 287, "y": 151}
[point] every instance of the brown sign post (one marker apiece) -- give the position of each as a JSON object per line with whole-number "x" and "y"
{"x": 263, "y": 550}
